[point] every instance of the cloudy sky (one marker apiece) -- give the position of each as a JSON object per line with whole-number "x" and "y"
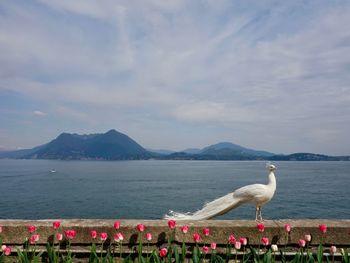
{"x": 270, "y": 75}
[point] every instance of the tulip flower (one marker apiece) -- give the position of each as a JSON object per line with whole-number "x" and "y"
{"x": 148, "y": 236}
{"x": 196, "y": 237}
{"x": 307, "y": 237}
{"x": 260, "y": 227}
{"x": 302, "y": 243}
{"x": 171, "y": 224}
{"x": 93, "y": 234}
{"x": 274, "y": 248}
{"x": 31, "y": 229}
{"x": 264, "y": 241}
{"x": 56, "y": 225}
{"x": 6, "y": 250}
{"x": 103, "y": 236}
{"x": 163, "y": 252}
{"x": 287, "y": 228}
{"x": 206, "y": 231}
{"x": 231, "y": 239}
{"x": 323, "y": 228}
{"x": 205, "y": 249}
{"x": 140, "y": 227}
{"x": 34, "y": 238}
{"x": 243, "y": 241}
{"x": 213, "y": 245}
{"x": 59, "y": 236}
{"x": 70, "y": 233}
{"x": 118, "y": 237}
{"x": 332, "y": 249}
{"x": 116, "y": 225}
{"x": 184, "y": 229}
{"x": 238, "y": 245}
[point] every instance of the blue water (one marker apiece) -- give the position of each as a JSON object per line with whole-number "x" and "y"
{"x": 148, "y": 189}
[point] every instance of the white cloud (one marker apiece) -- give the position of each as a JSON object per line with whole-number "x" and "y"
{"x": 39, "y": 113}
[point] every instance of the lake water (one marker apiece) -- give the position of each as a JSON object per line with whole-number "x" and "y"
{"x": 148, "y": 189}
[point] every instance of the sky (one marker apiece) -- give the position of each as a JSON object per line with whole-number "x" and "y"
{"x": 267, "y": 75}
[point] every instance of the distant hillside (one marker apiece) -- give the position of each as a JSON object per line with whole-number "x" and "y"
{"x": 111, "y": 145}
{"x": 114, "y": 145}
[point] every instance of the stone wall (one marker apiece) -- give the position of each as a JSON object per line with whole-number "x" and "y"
{"x": 15, "y": 232}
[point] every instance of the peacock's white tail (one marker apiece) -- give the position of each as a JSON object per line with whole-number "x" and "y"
{"x": 219, "y": 206}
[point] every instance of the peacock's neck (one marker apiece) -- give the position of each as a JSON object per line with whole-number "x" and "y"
{"x": 272, "y": 180}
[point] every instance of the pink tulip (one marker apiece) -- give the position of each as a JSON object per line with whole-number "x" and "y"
{"x": 196, "y": 237}
{"x": 116, "y": 225}
{"x": 148, "y": 236}
{"x": 206, "y": 231}
{"x": 34, "y": 238}
{"x": 56, "y": 225}
{"x": 118, "y": 237}
{"x": 7, "y": 250}
{"x": 213, "y": 245}
{"x": 70, "y": 233}
{"x": 205, "y": 249}
{"x": 31, "y": 229}
{"x": 302, "y": 243}
{"x": 93, "y": 234}
{"x": 171, "y": 224}
{"x": 238, "y": 245}
{"x": 103, "y": 236}
{"x": 232, "y": 239}
{"x": 184, "y": 229}
{"x": 264, "y": 241}
{"x": 287, "y": 227}
{"x": 59, "y": 236}
{"x": 307, "y": 237}
{"x": 261, "y": 227}
{"x": 332, "y": 249}
{"x": 323, "y": 228}
{"x": 140, "y": 227}
{"x": 163, "y": 252}
{"x": 243, "y": 241}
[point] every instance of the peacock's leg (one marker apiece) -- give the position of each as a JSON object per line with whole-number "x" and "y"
{"x": 260, "y": 214}
{"x": 256, "y": 213}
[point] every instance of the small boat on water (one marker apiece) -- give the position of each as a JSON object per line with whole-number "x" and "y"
{"x": 53, "y": 171}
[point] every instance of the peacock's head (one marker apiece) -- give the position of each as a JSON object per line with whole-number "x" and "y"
{"x": 270, "y": 167}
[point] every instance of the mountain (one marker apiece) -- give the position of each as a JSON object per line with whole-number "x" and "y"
{"x": 111, "y": 145}
{"x": 308, "y": 157}
{"x": 192, "y": 150}
{"x": 160, "y": 151}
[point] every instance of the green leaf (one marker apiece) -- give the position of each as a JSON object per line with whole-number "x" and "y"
{"x": 283, "y": 258}
{"x": 177, "y": 256}
{"x": 319, "y": 253}
{"x": 267, "y": 257}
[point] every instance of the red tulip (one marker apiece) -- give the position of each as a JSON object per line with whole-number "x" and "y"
{"x": 287, "y": 227}
{"x": 184, "y": 229}
{"x": 34, "y": 238}
{"x": 206, "y": 232}
{"x": 118, "y": 237}
{"x": 31, "y": 229}
{"x": 323, "y": 228}
{"x": 93, "y": 234}
{"x": 171, "y": 224}
{"x": 6, "y": 250}
{"x": 116, "y": 225}
{"x": 163, "y": 252}
{"x": 59, "y": 236}
{"x": 196, "y": 237}
{"x": 264, "y": 241}
{"x": 148, "y": 236}
{"x": 140, "y": 227}
{"x": 302, "y": 243}
{"x": 103, "y": 236}
{"x": 232, "y": 239}
{"x": 70, "y": 233}
{"x": 261, "y": 227}
{"x": 205, "y": 249}
{"x": 213, "y": 245}
{"x": 243, "y": 241}
{"x": 56, "y": 224}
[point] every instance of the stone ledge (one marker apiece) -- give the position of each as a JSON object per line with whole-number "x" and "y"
{"x": 15, "y": 231}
